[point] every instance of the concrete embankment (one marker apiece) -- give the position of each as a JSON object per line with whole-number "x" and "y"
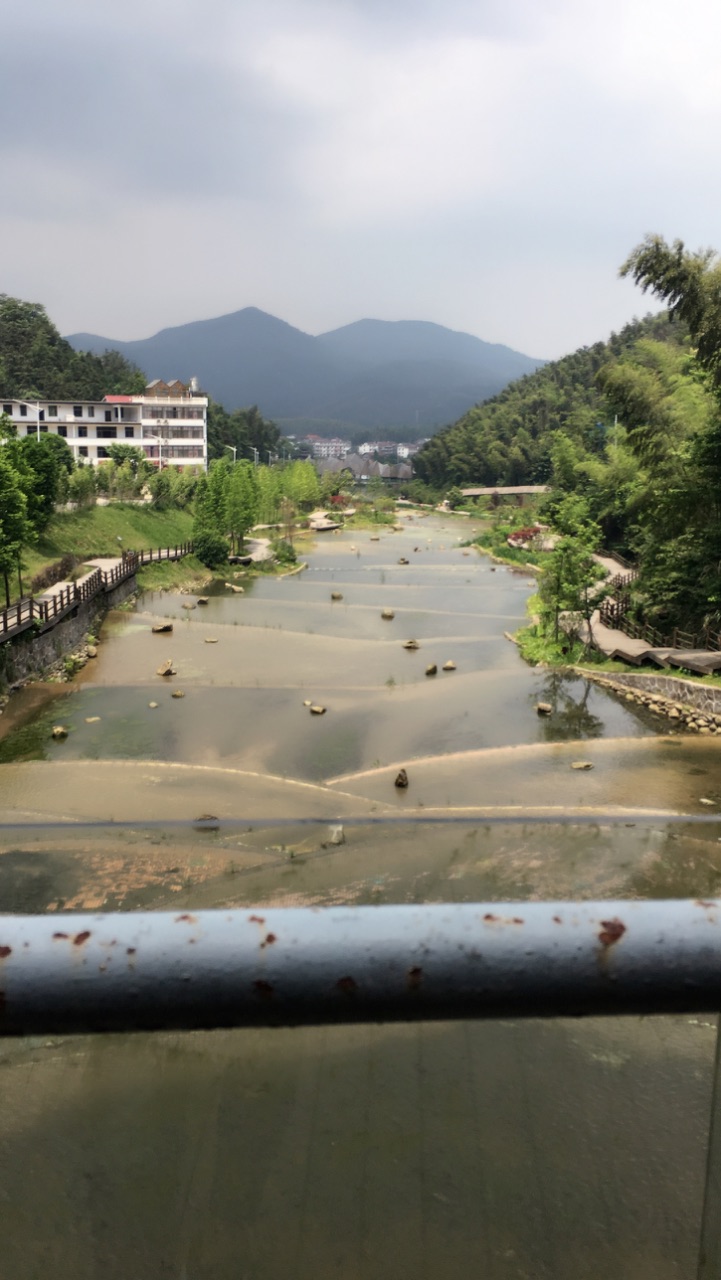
{"x": 32, "y": 657}
{"x": 689, "y": 703}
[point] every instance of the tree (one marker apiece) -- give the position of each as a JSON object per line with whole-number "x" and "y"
{"x": 568, "y": 585}
{"x": 15, "y": 527}
{"x": 691, "y": 284}
{"x": 242, "y": 501}
{"x": 209, "y": 545}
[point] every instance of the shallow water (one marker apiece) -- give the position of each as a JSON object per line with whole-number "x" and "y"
{"x": 549, "y": 1149}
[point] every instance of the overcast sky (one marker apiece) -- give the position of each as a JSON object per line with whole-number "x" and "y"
{"x": 485, "y": 164}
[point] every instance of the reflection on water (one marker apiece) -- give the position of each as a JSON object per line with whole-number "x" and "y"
{"x": 531, "y": 1150}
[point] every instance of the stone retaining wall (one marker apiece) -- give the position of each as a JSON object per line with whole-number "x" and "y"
{"x": 695, "y": 706}
{"x": 31, "y": 657}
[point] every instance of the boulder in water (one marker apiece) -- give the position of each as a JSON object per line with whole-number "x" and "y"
{"x": 177, "y": 693}
{"x": 336, "y": 595}
{"x": 59, "y": 731}
{"x": 402, "y": 560}
{"x": 388, "y": 614}
{"x": 582, "y": 764}
{"x": 432, "y": 670}
{"x": 316, "y": 710}
{"x": 91, "y": 651}
{"x": 544, "y": 708}
{"x": 401, "y": 779}
{"x": 160, "y": 628}
{"x": 411, "y": 644}
{"x": 203, "y": 599}
{"x": 166, "y": 669}
{"x": 187, "y": 604}
{"x": 449, "y": 665}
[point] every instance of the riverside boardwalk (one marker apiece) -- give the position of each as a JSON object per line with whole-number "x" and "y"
{"x": 104, "y": 574}
{"x": 618, "y": 644}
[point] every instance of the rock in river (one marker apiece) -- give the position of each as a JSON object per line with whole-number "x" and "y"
{"x": 432, "y": 670}
{"x": 387, "y": 614}
{"x": 316, "y": 710}
{"x": 402, "y": 779}
{"x": 336, "y": 595}
{"x": 59, "y": 731}
{"x": 582, "y": 764}
{"x": 177, "y": 693}
{"x": 544, "y": 708}
{"x": 411, "y": 644}
{"x": 166, "y": 669}
{"x": 203, "y": 599}
{"x": 449, "y": 665}
{"x": 160, "y": 628}
{"x": 187, "y": 604}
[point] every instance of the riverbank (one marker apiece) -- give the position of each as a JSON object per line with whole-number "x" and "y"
{"x": 105, "y": 531}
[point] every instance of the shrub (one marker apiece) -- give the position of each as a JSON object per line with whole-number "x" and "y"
{"x": 210, "y": 548}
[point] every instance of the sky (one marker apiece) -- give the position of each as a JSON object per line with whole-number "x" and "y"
{"x": 483, "y": 164}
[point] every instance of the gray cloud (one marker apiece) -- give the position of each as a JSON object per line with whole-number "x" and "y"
{"x": 485, "y": 165}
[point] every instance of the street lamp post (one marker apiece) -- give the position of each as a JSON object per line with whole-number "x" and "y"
{"x": 233, "y": 450}
{"x": 255, "y": 453}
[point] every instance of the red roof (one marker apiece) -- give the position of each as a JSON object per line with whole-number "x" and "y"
{"x": 119, "y": 399}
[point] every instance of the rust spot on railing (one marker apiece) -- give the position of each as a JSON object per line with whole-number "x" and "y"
{"x": 5, "y": 952}
{"x": 347, "y": 985}
{"x": 270, "y": 938}
{"x": 611, "y": 931}
{"x": 60, "y": 935}
{"x": 187, "y": 919}
{"x": 256, "y": 919}
{"x": 80, "y": 938}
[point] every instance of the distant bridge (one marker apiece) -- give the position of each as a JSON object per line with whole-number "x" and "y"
{"x": 507, "y": 491}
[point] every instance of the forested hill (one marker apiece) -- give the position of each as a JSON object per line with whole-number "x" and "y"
{"x": 35, "y": 361}
{"x": 507, "y": 440}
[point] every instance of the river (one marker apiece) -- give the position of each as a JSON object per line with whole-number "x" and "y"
{"x": 539, "y": 1149}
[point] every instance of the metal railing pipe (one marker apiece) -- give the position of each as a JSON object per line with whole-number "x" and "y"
{"x": 295, "y": 966}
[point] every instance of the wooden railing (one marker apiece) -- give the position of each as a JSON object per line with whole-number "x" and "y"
{"x": 47, "y": 612}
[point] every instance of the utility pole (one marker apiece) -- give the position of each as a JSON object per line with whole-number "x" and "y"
{"x": 233, "y": 450}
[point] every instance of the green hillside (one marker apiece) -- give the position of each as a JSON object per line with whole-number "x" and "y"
{"x": 507, "y": 440}
{"x": 35, "y": 361}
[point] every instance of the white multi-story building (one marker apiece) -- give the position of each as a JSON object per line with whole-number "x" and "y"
{"x": 323, "y": 447}
{"x": 169, "y": 422}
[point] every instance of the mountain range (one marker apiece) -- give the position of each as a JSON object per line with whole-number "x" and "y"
{"x": 372, "y": 374}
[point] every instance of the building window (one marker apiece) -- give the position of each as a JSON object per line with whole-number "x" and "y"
{"x": 42, "y": 426}
{"x": 78, "y": 410}
{"x": 63, "y": 431}
{"x": 82, "y": 431}
{"x": 7, "y": 408}
{"x": 41, "y": 415}
{"x": 91, "y": 410}
{"x": 52, "y": 411}
{"x": 108, "y": 415}
{"x": 83, "y": 451}
{"x": 129, "y": 433}
{"x": 102, "y": 453}
{"x": 107, "y": 433}
{"x": 23, "y": 411}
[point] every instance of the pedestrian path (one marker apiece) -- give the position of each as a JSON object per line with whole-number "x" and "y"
{"x": 617, "y": 644}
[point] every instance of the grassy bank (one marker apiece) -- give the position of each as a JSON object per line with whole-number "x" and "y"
{"x": 174, "y": 575}
{"x": 94, "y": 531}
